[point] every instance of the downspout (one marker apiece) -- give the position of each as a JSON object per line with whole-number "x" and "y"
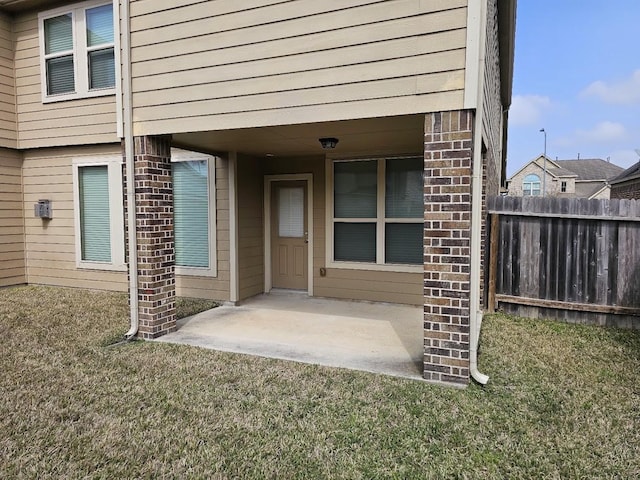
{"x": 475, "y": 312}
{"x": 127, "y": 104}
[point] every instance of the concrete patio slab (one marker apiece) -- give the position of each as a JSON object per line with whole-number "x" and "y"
{"x": 374, "y": 337}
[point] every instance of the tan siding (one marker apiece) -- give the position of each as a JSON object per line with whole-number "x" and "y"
{"x": 8, "y": 129}
{"x": 371, "y": 286}
{"x": 221, "y": 65}
{"x": 71, "y": 122}
{"x": 391, "y": 287}
{"x": 207, "y": 287}
{"x": 250, "y": 227}
{"x": 12, "y": 259}
{"x": 50, "y": 245}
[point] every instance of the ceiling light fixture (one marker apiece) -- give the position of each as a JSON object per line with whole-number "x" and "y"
{"x": 328, "y": 143}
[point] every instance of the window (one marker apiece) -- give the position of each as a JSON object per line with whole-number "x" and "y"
{"x": 77, "y": 50}
{"x": 98, "y": 212}
{"x": 531, "y": 185}
{"x": 194, "y": 212}
{"x": 377, "y": 213}
{"x": 563, "y": 187}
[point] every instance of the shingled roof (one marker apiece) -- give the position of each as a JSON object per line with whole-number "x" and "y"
{"x": 632, "y": 172}
{"x": 561, "y": 172}
{"x": 591, "y": 169}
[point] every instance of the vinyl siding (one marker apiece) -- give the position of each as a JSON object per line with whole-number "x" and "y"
{"x": 8, "y": 130}
{"x": 50, "y": 245}
{"x": 72, "y": 122}
{"x": 226, "y": 64}
{"x": 216, "y": 288}
{"x": 12, "y": 264}
{"x": 250, "y": 227}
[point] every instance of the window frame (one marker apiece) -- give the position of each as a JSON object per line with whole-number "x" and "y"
{"x": 530, "y": 184}
{"x": 380, "y": 220}
{"x": 179, "y": 155}
{"x": 80, "y": 52}
{"x": 116, "y": 211}
{"x": 563, "y": 186}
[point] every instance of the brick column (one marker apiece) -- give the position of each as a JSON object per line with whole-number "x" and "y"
{"x": 155, "y": 236}
{"x": 448, "y": 145}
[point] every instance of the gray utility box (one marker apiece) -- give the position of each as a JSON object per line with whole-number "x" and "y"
{"x": 42, "y": 209}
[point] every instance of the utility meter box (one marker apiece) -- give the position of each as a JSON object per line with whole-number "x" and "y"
{"x": 42, "y": 209}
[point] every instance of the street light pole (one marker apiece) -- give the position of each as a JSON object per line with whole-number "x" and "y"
{"x": 544, "y": 178}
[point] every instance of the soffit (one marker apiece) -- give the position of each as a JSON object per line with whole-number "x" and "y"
{"x": 21, "y": 5}
{"x": 389, "y": 135}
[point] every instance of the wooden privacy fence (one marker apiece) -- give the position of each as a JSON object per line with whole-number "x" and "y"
{"x": 571, "y": 259}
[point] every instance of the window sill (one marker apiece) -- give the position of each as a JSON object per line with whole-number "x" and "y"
{"x": 63, "y": 97}
{"x": 376, "y": 267}
{"x": 195, "y": 272}
{"x": 101, "y": 266}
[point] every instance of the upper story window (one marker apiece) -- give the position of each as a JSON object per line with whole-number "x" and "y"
{"x": 563, "y": 187}
{"x": 531, "y": 185}
{"x": 77, "y": 51}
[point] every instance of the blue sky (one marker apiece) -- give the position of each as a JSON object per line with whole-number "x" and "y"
{"x": 577, "y": 75}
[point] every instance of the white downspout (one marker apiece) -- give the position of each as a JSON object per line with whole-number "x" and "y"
{"x": 128, "y": 149}
{"x": 475, "y": 312}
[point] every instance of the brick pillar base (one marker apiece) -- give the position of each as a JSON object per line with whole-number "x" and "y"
{"x": 448, "y": 145}
{"x": 155, "y": 236}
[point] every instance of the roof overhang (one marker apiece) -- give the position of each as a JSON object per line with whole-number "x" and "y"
{"x": 22, "y": 5}
{"x": 507, "y": 36}
{"x": 506, "y": 42}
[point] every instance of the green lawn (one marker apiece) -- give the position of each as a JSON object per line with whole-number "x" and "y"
{"x": 563, "y": 402}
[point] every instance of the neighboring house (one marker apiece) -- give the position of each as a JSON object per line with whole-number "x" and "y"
{"x": 228, "y": 114}
{"x": 627, "y": 184}
{"x": 582, "y": 178}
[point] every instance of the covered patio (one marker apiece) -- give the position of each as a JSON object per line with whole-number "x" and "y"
{"x": 375, "y": 337}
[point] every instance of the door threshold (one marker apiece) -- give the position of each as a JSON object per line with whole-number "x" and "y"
{"x": 287, "y": 291}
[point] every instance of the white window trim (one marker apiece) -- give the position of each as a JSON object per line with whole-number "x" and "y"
{"x": 80, "y": 51}
{"x": 380, "y": 222}
{"x": 528, "y": 186}
{"x": 116, "y": 212}
{"x": 179, "y": 155}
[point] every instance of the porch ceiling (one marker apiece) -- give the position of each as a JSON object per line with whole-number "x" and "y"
{"x": 386, "y": 135}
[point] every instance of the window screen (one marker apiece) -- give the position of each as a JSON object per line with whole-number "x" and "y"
{"x": 355, "y": 187}
{"x": 354, "y": 242}
{"x": 191, "y": 213}
{"x": 403, "y": 243}
{"x": 101, "y": 61}
{"x": 95, "y": 225}
{"x": 58, "y": 39}
{"x": 404, "y": 188}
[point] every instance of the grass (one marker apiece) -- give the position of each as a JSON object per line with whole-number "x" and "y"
{"x": 563, "y": 402}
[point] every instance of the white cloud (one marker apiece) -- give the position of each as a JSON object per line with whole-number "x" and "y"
{"x": 527, "y": 109}
{"x": 603, "y": 132}
{"x": 625, "y": 92}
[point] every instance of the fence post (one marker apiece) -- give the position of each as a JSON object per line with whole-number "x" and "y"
{"x": 493, "y": 262}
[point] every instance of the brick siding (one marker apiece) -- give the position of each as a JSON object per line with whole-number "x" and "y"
{"x": 627, "y": 190}
{"x": 155, "y": 236}
{"x": 448, "y": 145}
